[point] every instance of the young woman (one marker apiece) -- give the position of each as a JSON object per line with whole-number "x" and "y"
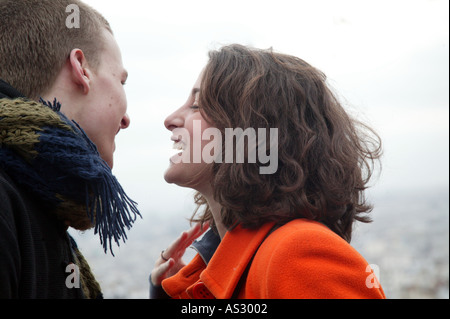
{"x": 276, "y": 233}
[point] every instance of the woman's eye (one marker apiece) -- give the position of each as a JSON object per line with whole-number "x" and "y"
{"x": 195, "y": 107}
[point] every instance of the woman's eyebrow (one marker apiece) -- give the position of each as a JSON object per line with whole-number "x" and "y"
{"x": 195, "y": 91}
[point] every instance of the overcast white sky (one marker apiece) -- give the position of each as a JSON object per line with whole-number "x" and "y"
{"x": 389, "y": 60}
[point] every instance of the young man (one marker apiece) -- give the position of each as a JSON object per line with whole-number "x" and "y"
{"x": 62, "y": 103}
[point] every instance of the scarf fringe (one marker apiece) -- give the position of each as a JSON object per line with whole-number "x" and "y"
{"x": 67, "y": 165}
{"x": 108, "y": 206}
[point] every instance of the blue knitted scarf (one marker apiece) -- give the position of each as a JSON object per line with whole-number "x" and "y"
{"x": 52, "y": 158}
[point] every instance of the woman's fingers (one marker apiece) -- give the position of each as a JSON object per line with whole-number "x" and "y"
{"x": 159, "y": 272}
{"x": 170, "y": 261}
{"x": 198, "y": 230}
{"x": 178, "y": 247}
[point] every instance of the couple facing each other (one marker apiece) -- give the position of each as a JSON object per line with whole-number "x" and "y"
{"x": 282, "y": 233}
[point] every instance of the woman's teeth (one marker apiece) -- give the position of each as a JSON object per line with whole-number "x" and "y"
{"x": 178, "y": 146}
{"x": 177, "y": 149}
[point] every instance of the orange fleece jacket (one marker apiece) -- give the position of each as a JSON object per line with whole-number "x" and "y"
{"x": 302, "y": 259}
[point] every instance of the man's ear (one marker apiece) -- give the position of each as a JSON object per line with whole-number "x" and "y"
{"x": 81, "y": 74}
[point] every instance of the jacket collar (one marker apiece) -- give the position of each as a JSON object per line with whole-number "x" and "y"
{"x": 7, "y": 91}
{"x": 207, "y": 245}
{"x": 231, "y": 258}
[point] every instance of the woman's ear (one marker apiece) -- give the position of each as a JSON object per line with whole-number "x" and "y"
{"x": 81, "y": 74}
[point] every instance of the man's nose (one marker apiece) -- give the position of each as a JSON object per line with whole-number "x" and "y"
{"x": 125, "y": 121}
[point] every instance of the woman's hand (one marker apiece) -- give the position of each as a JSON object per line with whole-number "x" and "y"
{"x": 170, "y": 260}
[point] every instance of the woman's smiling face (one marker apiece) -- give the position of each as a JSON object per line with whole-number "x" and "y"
{"x": 187, "y": 167}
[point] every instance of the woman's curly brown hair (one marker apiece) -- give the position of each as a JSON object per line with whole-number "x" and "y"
{"x": 325, "y": 158}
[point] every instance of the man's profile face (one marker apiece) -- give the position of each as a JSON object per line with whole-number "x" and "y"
{"x": 104, "y": 114}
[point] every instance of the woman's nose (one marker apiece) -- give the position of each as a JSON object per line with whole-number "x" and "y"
{"x": 174, "y": 120}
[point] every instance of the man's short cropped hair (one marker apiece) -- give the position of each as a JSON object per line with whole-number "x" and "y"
{"x": 36, "y": 39}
